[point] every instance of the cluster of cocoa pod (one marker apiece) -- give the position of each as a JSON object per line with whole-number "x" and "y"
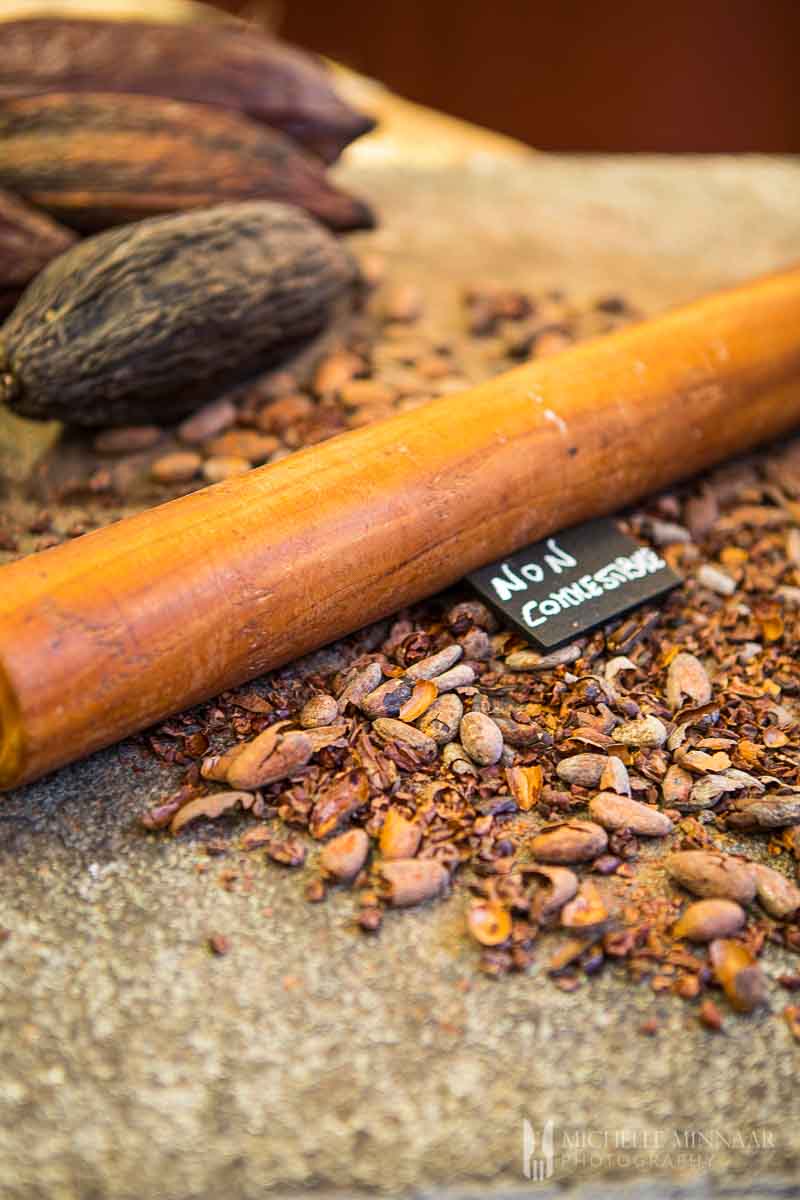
{"x": 106, "y": 122}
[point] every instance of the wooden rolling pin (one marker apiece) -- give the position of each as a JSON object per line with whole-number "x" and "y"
{"x": 108, "y": 634}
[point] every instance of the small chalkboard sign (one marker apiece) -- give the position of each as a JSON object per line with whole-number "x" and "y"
{"x": 567, "y": 585}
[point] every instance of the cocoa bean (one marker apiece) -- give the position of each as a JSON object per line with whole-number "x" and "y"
{"x": 435, "y": 664}
{"x": 128, "y": 440}
{"x": 268, "y": 758}
{"x": 319, "y": 710}
{"x": 515, "y": 733}
{"x": 216, "y": 470}
{"x": 412, "y": 880}
{"x": 390, "y": 730}
{"x": 708, "y": 919}
{"x": 620, "y": 812}
{"x": 28, "y": 241}
{"x": 231, "y": 66}
{"x": 739, "y": 973}
{"x": 481, "y": 738}
{"x": 710, "y": 873}
{"x": 676, "y": 787}
{"x": 531, "y": 660}
{"x": 442, "y": 719}
{"x": 143, "y": 322}
{"x": 585, "y": 770}
{"x": 766, "y": 812}
{"x": 359, "y": 685}
{"x": 461, "y": 675}
{"x": 95, "y": 160}
{"x": 179, "y": 467}
{"x": 574, "y": 841}
{"x": 386, "y": 700}
{"x": 777, "y": 894}
{"x": 208, "y": 422}
{"x": 399, "y": 837}
{"x": 344, "y": 856}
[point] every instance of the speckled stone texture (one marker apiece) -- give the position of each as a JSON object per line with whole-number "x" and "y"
{"x": 135, "y": 1065}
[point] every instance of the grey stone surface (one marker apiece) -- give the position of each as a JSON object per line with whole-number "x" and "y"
{"x": 134, "y": 1065}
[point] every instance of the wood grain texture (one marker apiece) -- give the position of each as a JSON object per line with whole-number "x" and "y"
{"x": 145, "y": 322}
{"x": 223, "y": 64}
{"x": 108, "y": 634}
{"x": 96, "y": 159}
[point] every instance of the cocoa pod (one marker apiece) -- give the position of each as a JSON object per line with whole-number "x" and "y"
{"x": 98, "y": 159}
{"x": 227, "y": 65}
{"x": 146, "y": 321}
{"x": 28, "y": 241}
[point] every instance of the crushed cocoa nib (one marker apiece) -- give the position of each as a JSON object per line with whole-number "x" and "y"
{"x": 438, "y": 748}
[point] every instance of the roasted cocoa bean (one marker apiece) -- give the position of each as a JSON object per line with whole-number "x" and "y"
{"x": 399, "y": 837}
{"x": 775, "y": 893}
{"x": 344, "y": 856}
{"x": 442, "y": 719}
{"x": 319, "y": 710}
{"x": 710, "y": 873}
{"x": 386, "y": 700}
{"x": 708, "y": 919}
{"x": 390, "y": 730}
{"x": 615, "y": 812}
{"x": 586, "y": 770}
{"x": 412, "y": 880}
{"x": 435, "y": 664}
{"x": 573, "y": 842}
{"x": 481, "y": 738}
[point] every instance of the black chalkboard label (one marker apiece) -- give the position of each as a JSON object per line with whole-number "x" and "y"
{"x": 569, "y": 584}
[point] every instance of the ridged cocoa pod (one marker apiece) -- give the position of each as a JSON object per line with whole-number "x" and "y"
{"x": 227, "y": 65}
{"x": 95, "y": 159}
{"x": 145, "y": 322}
{"x": 28, "y": 240}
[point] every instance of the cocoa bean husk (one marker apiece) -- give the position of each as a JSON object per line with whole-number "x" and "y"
{"x": 94, "y": 160}
{"x": 228, "y": 65}
{"x": 147, "y": 321}
{"x": 28, "y": 241}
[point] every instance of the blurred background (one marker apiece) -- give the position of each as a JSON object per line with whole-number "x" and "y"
{"x": 690, "y": 75}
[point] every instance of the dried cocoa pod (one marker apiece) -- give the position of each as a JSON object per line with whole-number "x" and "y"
{"x": 28, "y": 241}
{"x": 229, "y": 65}
{"x": 98, "y": 159}
{"x": 145, "y": 322}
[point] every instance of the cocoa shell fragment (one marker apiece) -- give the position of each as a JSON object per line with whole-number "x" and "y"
{"x": 143, "y": 323}
{"x": 269, "y": 758}
{"x": 93, "y": 160}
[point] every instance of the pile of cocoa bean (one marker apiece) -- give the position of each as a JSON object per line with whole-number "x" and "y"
{"x": 628, "y": 802}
